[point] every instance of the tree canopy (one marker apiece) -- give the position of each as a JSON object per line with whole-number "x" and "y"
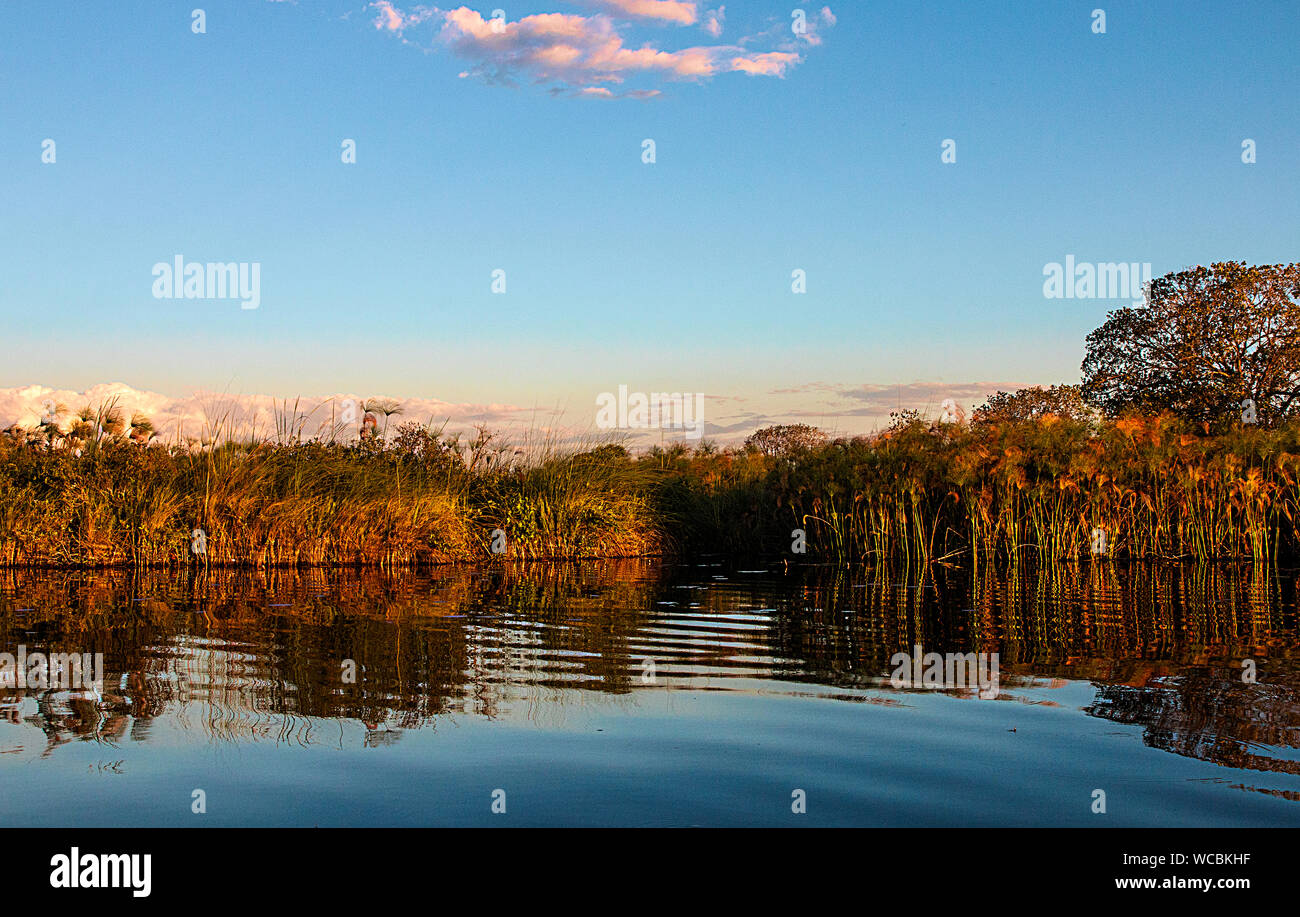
{"x": 785, "y": 438}
{"x": 1209, "y": 340}
{"x": 1065, "y": 401}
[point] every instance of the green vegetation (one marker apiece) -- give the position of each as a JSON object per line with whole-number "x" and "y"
{"x": 1182, "y": 442}
{"x": 1211, "y": 340}
{"x": 1003, "y": 488}
{"x": 419, "y": 498}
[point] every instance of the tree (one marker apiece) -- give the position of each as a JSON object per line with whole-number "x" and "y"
{"x": 785, "y": 438}
{"x": 1065, "y": 401}
{"x": 1209, "y": 340}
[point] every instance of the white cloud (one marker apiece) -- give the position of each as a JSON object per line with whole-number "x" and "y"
{"x": 199, "y": 414}
{"x": 841, "y": 410}
{"x": 713, "y": 20}
{"x": 575, "y": 52}
{"x": 679, "y": 12}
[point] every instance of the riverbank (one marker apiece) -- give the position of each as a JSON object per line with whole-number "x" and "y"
{"x": 1047, "y": 488}
{"x": 410, "y": 503}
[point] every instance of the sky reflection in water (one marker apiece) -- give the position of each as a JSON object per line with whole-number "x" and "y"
{"x": 535, "y": 680}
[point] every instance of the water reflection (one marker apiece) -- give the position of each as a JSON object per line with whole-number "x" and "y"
{"x": 236, "y": 656}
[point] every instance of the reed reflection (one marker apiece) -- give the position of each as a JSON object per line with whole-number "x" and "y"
{"x": 231, "y": 656}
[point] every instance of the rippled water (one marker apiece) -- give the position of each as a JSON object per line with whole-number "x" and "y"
{"x": 640, "y": 693}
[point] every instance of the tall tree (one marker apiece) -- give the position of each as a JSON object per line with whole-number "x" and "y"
{"x": 785, "y": 439}
{"x": 1216, "y": 344}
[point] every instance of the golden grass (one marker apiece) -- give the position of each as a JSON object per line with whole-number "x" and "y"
{"x": 1003, "y": 492}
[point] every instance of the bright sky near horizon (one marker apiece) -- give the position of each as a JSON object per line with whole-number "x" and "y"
{"x": 523, "y": 151}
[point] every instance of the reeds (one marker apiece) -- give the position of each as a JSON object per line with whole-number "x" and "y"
{"x": 1008, "y": 492}
{"x": 418, "y": 500}
{"x": 1042, "y": 490}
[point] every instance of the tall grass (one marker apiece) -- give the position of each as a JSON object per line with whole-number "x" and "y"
{"x": 1005, "y": 493}
{"x": 419, "y": 499}
{"x": 1008, "y": 492}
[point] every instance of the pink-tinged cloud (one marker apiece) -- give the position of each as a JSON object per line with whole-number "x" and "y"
{"x": 198, "y": 416}
{"x": 780, "y": 36}
{"x": 575, "y": 52}
{"x": 839, "y": 409}
{"x": 814, "y": 25}
{"x": 773, "y": 63}
{"x": 387, "y": 18}
{"x": 465, "y": 23}
{"x": 677, "y": 11}
{"x": 558, "y": 55}
{"x": 713, "y": 20}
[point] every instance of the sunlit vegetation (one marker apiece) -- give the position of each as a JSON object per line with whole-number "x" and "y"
{"x": 100, "y": 498}
{"x": 1006, "y": 490}
{"x": 1014, "y": 484}
{"x": 1183, "y": 442}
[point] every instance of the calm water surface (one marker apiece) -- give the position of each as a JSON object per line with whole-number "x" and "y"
{"x": 643, "y": 693}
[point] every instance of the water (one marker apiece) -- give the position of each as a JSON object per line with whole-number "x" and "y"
{"x": 537, "y": 681}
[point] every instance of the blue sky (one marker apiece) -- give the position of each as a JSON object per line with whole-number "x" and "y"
{"x": 672, "y": 276}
